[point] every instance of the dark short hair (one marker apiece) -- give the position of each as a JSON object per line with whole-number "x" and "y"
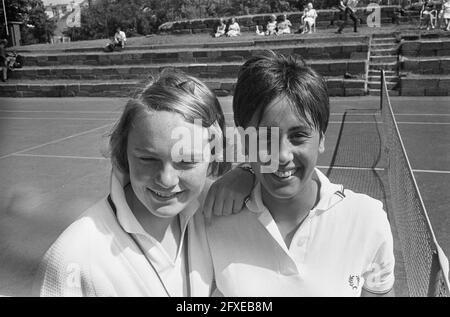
{"x": 271, "y": 75}
{"x": 172, "y": 91}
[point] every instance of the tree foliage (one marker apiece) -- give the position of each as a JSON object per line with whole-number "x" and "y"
{"x": 101, "y": 18}
{"x": 36, "y": 26}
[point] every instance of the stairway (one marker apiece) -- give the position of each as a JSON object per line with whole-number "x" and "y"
{"x": 383, "y": 56}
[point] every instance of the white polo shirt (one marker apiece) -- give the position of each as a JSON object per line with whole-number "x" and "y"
{"x": 344, "y": 244}
{"x": 98, "y": 255}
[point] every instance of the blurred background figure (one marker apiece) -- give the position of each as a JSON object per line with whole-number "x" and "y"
{"x": 309, "y": 18}
{"x": 446, "y": 14}
{"x": 120, "y": 38}
{"x": 3, "y": 64}
{"x": 284, "y": 27}
{"x": 220, "y": 31}
{"x": 234, "y": 28}
{"x": 348, "y": 10}
{"x": 271, "y": 27}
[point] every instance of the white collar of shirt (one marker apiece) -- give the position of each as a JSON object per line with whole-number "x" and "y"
{"x": 330, "y": 194}
{"x": 126, "y": 217}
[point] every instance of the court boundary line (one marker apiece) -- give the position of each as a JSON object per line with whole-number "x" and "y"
{"x": 56, "y": 118}
{"x": 225, "y": 113}
{"x": 55, "y": 141}
{"x": 378, "y": 169}
{"x": 57, "y": 111}
{"x": 61, "y": 156}
{"x": 114, "y": 119}
{"x": 423, "y": 123}
{"x": 354, "y": 168}
{"x": 371, "y": 114}
{"x": 398, "y": 122}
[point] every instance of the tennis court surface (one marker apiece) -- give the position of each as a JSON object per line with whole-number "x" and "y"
{"x": 52, "y": 168}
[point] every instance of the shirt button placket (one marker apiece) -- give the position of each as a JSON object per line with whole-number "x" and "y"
{"x": 300, "y": 246}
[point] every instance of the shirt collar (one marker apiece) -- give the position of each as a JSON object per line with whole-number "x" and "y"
{"x": 124, "y": 214}
{"x": 330, "y": 194}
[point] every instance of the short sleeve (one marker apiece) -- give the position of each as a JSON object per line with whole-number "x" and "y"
{"x": 64, "y": 270}
{"x": 379, "y": 276}
{"x": 59, "y": 277}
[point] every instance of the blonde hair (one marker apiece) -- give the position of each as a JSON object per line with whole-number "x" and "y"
{"x": 172, "y": 91}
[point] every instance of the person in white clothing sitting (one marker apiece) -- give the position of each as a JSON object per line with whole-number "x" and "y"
{"x": 271, "y": 28}
{"x": 233, "y": 28}
{"x": 446, "y": 14}
{"x": 120, "y": 38}
{"x": 309, "y": 18}
{"x": 284, "y": 27}
{"x": 220, "y": 31}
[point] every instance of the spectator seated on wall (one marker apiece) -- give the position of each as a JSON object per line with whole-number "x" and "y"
{"x": 309, "y": 18}
{"x": 120, "y": 38}
{"x": 271, "y": 27}
{"x": 445, "y": 14}
{"x": 220, "y": 30}
{"x": 427, "y": 15}
{"x": 284, "y": 27}
{"x": 233, "y": 28}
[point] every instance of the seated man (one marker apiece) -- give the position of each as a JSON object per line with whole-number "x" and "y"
{"x": 120, "y": 37}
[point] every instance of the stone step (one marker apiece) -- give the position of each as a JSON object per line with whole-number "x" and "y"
{"x": 383, "y": 35}
{"x": 385, "y": 66}
{"x": 207, "y": 55}
{"x": 294, "y": 39}
{"x": 376, "y": 92}
{"x": 202, "y": 70}
{"x": 394, "y": 79}
{"x": 377, "y": 85}
{"x": 68, "y": 88}
{"x": 383, "y": 59}
{"x": 383, "y": 52}
{"x": 384, "y": 41}
{"x": 383, "y": 46}
{"x": 337, "y": 86}
{"x": 386, "y": 73}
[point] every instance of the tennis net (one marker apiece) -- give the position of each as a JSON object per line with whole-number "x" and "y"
{"x": 425, "y": 264}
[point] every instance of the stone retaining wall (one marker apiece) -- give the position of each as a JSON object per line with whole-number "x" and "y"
{"x": 424, "y": 65}
{"x": 426, "y": 48}
{"x": 336, "y": 87}
{"x": 330, "y": 51}
{"x": 325, "y": 68}
{"x": 422, "y": 85}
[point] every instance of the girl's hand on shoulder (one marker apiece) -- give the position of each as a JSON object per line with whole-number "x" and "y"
{"x": 228, "y": 194}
